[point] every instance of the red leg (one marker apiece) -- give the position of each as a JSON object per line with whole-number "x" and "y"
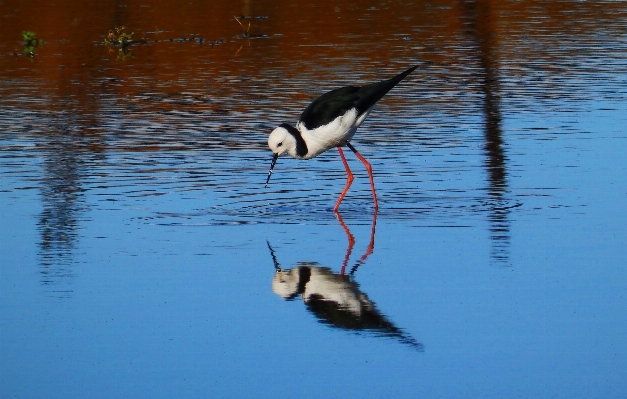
{"x": 349, "y": 180}
{"x": 369, "y": 169}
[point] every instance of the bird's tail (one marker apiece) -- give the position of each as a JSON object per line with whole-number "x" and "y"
{"x": 370, "y": 94}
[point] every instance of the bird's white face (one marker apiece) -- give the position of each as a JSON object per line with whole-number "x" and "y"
{"x": 285, "y": 283}
{"x": 280, "y": 141}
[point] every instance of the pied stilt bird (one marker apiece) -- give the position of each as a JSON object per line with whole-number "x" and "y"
{"x": 331, "y": 121}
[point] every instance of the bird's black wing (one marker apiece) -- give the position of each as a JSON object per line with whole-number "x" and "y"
{"x": 329, "y": 106}
{"x": 337, "y": 102}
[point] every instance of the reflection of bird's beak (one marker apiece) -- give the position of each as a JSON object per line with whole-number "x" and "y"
{"x": 276, "y": 156}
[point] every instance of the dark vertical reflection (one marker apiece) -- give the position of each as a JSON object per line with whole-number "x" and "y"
{"x": 65, "y": 159}
{"x": 62, "y": 202}
{"x": 478, "y": 22}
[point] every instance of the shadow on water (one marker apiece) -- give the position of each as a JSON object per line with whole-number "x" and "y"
{"x": 63, "y": 200}
{"x": 478, "y": 19}
{"x": 335, "y": 298}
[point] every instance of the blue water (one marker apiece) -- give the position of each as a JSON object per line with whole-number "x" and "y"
{"x": 135, "y": 250}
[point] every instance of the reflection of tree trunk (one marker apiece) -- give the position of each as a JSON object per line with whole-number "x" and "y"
{"x": 65, "y": 157}
{"x": 60, "y": 194}
{"x": 478, "y": 19}
{"x": 62, "y": 203}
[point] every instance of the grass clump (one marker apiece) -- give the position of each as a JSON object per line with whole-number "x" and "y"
{"x": 118, "y": 36}
{"x": 30, "y": 43}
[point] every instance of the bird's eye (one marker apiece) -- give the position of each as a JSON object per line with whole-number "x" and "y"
{"x": 280, "y": 144}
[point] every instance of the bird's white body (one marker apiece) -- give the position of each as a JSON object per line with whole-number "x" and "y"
{"x": 322, "y": 284}
{"x": 334, "y": 134}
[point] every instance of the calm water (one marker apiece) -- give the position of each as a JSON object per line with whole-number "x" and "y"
{"x": 141, "y": 256}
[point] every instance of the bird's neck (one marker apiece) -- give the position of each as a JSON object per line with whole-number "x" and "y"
{"x": 301, "y": 144}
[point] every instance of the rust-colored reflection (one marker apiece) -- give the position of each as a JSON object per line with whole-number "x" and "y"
{"x": 295, "y": 39}
{"x": 335, "y": 298}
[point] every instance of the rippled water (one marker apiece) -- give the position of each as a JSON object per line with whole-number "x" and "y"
{"x": 142, "y": 256}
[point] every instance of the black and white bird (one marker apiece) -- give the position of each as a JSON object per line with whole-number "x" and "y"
{"x": 331, "y": 121}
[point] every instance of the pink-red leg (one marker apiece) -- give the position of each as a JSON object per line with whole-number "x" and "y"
{"x": 349, "y": 180}
{"x": 368, "y": 168}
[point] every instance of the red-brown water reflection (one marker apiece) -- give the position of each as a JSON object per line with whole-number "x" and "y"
{"x": 289, "y": 42}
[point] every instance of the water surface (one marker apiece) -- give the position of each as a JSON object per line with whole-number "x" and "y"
{"x": 141, "y": 255}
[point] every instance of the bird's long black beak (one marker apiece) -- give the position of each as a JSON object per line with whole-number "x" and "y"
{"x": 277, "y": 266}
{"x": 276, "y": 156}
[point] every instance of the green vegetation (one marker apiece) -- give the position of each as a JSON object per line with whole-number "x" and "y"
{"x": 119, "y": 37}
{"x": 30, "y": 43}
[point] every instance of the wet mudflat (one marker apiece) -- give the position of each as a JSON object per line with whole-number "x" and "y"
{"x": 141, "y": 256}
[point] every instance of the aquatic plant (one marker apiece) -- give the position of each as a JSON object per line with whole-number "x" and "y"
{"x": 118, "y": 36}
{"x": 30, "y": 43}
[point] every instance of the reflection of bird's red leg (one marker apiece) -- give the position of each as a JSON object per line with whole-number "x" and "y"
{"x": 369, "y": 169}
{"x": 351, "y": 242}
{"x": 370, "y": 248}
{"x": 349, "y": 179}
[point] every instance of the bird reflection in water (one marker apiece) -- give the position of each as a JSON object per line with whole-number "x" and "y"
{"x": 335, "y": 298}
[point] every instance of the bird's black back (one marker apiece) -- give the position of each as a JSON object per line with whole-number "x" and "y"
{"x": 337, "y": 102}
